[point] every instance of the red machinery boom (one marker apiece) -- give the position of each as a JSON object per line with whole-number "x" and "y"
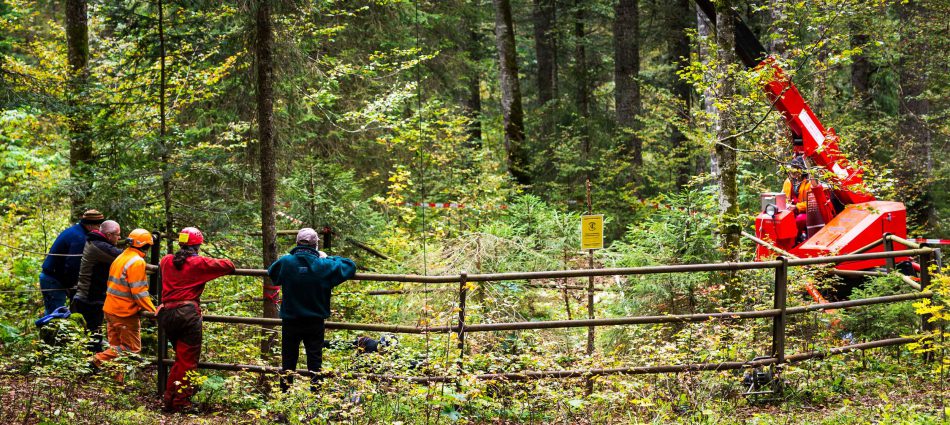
{"x": 850, "y": 217}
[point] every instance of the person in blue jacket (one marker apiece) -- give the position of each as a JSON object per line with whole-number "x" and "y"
{"x": 307, "y": 277}
{"x": 61, "y": 268}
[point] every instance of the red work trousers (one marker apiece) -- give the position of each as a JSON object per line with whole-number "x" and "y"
{"x": 182, "y": 325}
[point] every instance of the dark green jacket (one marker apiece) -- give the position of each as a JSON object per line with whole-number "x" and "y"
{"x": 307, "y": 280}
{"x": 97, "y": 257}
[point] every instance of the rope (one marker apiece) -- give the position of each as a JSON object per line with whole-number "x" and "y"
{"x": 272, "y": 293}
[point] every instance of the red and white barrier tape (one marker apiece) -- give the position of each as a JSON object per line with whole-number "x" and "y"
{"x": 288, "y": 217}
{"x": 933, "y": 241}
{"x": 446, "y": 205}
{"x": 657, "y": 205}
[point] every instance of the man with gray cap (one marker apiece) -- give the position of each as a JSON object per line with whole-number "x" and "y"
{"x": 61, "y": 268}
{"x": 97, "y": 256}
{"x": 307, "y": 277}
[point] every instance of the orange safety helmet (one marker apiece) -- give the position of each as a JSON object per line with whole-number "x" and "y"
{"x": 190, "y": 236}
{"x": 140, "y": 238}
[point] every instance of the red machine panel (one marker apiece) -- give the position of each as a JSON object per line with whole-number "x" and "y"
{"x": 779, "y": 230}
{"x": 855, "y": 227}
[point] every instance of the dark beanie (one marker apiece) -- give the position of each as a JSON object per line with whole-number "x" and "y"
{"x": 92, "y": 217}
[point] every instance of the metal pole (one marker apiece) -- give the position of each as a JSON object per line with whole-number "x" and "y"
{"x": 590, "y": 283}
{"x": 926, "y": 326}
{"x": 155, "y": 283}
{"x": 553, "y": 374}
{"x": 590, "y": 295}
{"x": 771, "y": 247}
{"x": 590, "y": 304}
{"x": 463, "y": 292}
{"x": 888, "y": 247}
{"x": 778, "y": 322}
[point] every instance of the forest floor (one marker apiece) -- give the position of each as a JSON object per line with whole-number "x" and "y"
{"x": 864, "y": 396}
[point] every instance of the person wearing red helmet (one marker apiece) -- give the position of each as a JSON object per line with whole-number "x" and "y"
{"x": 184, "y": 276}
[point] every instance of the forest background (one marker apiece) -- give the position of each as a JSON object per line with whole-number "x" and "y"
{"x": 247, "y": 117}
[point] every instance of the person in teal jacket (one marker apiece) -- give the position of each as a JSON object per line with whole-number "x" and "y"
{"x": 307, "y": 277}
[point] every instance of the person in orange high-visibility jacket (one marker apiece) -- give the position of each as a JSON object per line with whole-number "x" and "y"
{"x": 126, "y": 296}
{"x": 796, "y": 190}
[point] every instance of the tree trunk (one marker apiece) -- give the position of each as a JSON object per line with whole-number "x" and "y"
{"x": 626, "y": 73}
{"x": 582, "y": 85}
{"x": 510, "y": 93}
{"x": 580, "y": 60}
{"x": 162, "y": 131}
{"x": 679, "y": 50}
{"x": 861, "y": 81}
{"x": 915, "y": 165}
{"x": 265, "y": 123}
{"x": 779, "y": 41}
{"x": 704, "y": 29}
{"x": 77, "y": 55}
{"x": 544, "y": 50}
{"x": 726, "y": 145}
{"x": 779, "y": 44}
{"x": 860, "y": 67}
{"x": 473, "y": 104}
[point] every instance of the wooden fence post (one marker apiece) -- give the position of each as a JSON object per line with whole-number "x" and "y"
{"x": 155, "y": 283}
{"x": 778, "y": 322}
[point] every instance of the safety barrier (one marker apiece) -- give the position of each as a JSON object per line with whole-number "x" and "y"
{"x": 778, "y": 314}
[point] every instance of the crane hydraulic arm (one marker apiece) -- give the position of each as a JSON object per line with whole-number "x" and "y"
{"x": 818, "y": 144}
{"x": 856, "y": 219}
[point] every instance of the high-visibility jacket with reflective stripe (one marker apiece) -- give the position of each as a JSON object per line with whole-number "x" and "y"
{"x": 800, "y": 200}
{"x": 127, "y": 292}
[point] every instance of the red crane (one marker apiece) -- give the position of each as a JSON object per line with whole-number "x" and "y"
{"x": 843, "y": 216}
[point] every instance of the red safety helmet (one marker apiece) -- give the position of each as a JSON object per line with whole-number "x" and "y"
{"x": 190, "y": 236}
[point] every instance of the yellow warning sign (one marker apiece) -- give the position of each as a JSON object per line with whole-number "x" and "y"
{"x": 592, "y": 231}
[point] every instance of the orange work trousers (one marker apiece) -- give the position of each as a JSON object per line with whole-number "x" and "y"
{"x": 124, "y": 338}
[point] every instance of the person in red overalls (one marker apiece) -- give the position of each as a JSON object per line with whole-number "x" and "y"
{"x": 184, "y": 276}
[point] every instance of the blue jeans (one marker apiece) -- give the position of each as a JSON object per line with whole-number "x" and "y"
{"x": 54, "y": 295}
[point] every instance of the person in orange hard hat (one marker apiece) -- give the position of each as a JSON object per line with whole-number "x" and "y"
{"x": 796, "y": 188}
{"x": 126, "y": 296}
{"x": 184, "y": 276}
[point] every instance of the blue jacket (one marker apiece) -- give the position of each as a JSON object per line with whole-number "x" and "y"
{"x": 66, "y": 269}
{"x": 307, "y": 281}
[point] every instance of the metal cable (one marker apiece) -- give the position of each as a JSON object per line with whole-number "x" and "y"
{"x": 38, "y": 253}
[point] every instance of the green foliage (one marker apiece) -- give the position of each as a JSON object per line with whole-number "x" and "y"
{"x": 373, "y": 109}
{"x": 884, "y": 320}
{"x": 679, "y": 234}
{"x": 937, "y": 313}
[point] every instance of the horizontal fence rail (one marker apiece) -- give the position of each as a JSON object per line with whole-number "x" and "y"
{"x": 530, "y": 375}
{"x": 576, "y": 273}
{"x": 580, "y": 323}
{"x": 778, "y": 314}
